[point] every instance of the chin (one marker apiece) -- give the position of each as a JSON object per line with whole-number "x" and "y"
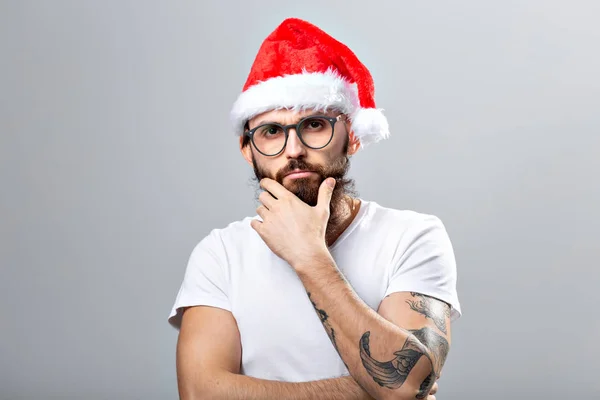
{"x": 298, "y": 183}
{"x": 306, "y": 189}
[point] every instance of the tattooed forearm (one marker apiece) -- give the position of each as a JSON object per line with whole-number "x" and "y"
{"x": 324, "y": 320}
{"x": 431, "y": 308}
{"x": 328, "y": 328}
{"x": 393, "y": 373}
{"x": 437, "y": 345}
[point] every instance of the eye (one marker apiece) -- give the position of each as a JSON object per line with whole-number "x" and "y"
{"x": 269, "y": 130}
{"x": 314, "y": 124}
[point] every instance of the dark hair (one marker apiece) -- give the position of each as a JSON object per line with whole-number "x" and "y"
{"x": 246, "y": 139}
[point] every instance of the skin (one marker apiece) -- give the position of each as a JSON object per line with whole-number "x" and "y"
{"x": 396, "y": 352}
{"x": 344, "y": 209}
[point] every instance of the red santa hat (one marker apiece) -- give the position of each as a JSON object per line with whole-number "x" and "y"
{"x": 299, "y": 67}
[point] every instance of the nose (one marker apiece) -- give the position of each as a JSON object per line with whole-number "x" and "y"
{"x": 294, "y": 147}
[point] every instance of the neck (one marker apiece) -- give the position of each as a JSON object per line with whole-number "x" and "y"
{"x": 341, "y": 218}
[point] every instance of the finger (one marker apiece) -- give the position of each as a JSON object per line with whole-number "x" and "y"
{"x": 434, "y": 388}
{"x": 262, "y": 211}
{"x": 256, "y": 225}
{"x": 325, "y": 192}
{"x": 267, "y": 200}
{"x": 430, "y": 397}
{"x": 276, "y": 189}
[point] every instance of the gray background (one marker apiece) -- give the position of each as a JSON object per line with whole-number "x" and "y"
{"x": 116, "y": 159}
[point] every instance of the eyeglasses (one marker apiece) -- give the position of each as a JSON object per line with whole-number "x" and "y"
{"x": 315, "y": 132}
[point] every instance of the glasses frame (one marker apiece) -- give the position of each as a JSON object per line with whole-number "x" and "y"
{"x": 286, "y": 128}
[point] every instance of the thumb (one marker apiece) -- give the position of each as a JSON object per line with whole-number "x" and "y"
{"x": 325, "y": 192}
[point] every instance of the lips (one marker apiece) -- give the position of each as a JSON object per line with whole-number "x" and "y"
{"x": 297, "y": 171}
{"x": 298, "y": 174}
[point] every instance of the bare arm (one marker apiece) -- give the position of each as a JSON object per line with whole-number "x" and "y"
{"x": 208, "y": 365}
{"x": 397, "y": 353}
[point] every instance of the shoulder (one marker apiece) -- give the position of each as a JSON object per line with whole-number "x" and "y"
{"x": 408, "y": 223}
{"x": 233, "y": 237}
{"x": 423, "y": 259}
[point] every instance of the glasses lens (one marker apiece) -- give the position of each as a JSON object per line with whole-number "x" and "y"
{"x": 269, "y": 139}
{"x": 316, "y": 131}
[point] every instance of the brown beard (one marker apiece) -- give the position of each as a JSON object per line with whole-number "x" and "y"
{"x": 307, "y": 189}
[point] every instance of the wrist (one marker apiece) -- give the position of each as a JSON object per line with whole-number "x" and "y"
{"x": 315, "y": 260}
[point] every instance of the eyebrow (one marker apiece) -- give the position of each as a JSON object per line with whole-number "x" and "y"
{"x": 294, "y": 123}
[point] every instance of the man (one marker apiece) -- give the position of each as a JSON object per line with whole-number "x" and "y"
{"x": 322, "y": 295}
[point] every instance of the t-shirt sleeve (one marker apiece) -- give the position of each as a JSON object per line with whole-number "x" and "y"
{"x": 205, "y": 282}
{"x": 425, "y": 263}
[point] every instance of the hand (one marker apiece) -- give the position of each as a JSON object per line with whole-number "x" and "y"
{"x": 292, "y": 229}
{"x": 432, "y": 392}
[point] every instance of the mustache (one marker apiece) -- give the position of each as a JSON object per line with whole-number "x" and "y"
{"x": 297, "y": 164}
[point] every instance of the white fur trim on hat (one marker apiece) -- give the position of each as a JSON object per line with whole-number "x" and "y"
{"x": 308, "y": 90}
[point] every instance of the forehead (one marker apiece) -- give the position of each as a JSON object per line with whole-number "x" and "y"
{"x": 286, "y": 116}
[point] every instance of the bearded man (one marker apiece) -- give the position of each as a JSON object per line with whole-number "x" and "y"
{"x": 322, "y": 294}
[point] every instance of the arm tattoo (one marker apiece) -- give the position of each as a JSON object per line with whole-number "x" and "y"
{"x": 324, "y": 320}
{"x": 328, "y": 328}
{"x": 431, "y": 308}
{"x": 393, "y": 373}
{"x": 437, "y": 345}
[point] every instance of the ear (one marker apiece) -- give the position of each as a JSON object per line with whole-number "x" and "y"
{"x": 353, "y": 145}
{"x": 353, "y": 142}
{"x": 246, "y": 151}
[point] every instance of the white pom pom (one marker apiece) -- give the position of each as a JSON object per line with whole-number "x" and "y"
{"x": 370, "y": 125}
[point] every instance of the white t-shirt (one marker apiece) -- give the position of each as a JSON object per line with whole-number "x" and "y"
{"x": 382, "y": 251}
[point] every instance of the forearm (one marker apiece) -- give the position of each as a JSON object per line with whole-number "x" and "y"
{"x": 229, "y": 386}
{"x": 386, "y": 360}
